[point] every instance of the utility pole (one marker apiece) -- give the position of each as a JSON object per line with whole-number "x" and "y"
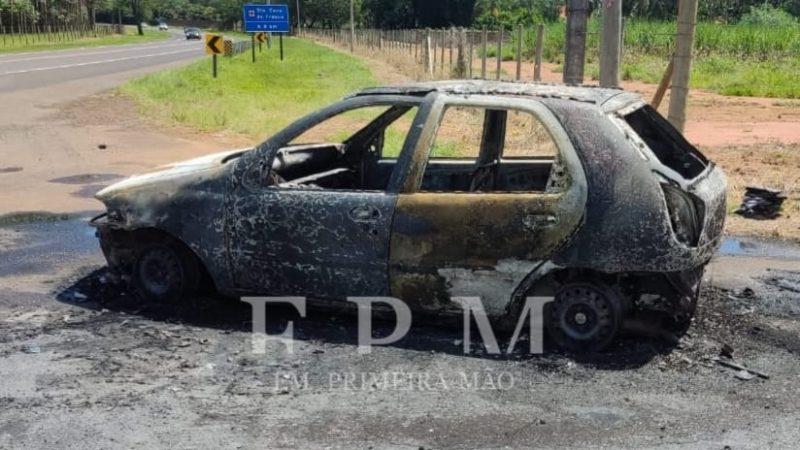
{"x": 610, "y": 46}
{"x": 352, "y": 26}
{"x": 575, "y": 51}
{"x": 684, "y": 43}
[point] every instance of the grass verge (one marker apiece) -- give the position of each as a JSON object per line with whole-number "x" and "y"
{"x": 254, "y": 99}
{"x": 31, "y": 217}
{"x": 31, "y": 42}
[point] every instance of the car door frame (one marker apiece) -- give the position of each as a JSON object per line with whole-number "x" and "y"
{"x": 256, "y": 269}
{"x": 438, "y": 252}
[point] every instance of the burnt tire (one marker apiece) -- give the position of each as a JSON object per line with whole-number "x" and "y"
{"x": 584, "y": 317}
{"x": 165, "y": 272}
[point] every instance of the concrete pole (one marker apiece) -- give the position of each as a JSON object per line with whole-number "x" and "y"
{"x": 575, "y": 51}
{"x": 610, "y": 46}
{"x": 352, "y": 26}
{"x": 684, "y": 43}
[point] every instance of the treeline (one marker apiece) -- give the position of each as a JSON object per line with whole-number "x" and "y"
{"x": 388, "y": 14}
{"x": 397, "y": 14}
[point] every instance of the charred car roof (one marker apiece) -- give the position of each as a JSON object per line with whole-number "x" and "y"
{"x": 602, "y": 97}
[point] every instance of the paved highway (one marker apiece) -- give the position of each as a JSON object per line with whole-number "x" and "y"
{"x": 21, "y": 71}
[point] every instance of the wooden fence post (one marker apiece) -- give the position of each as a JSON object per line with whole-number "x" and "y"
{"x": 484, "y": 49}
{"x": 658, "y": 97}
{"x": 441, "y": 54}
{"x": 470, "y": 54}
{"x": 519, "y": 52}
{"x": 429, "y": 55}
{"x": 461, "y": 64}
{"x": 499, "y": 54}
{"x": 450, "y": 35}
{"x": 537, "y": 64}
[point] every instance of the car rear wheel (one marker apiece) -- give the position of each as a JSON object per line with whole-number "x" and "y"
{"x": 584, "y": 317}
{"x": 165, "y": 272}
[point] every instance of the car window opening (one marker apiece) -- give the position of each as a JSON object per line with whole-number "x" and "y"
{"x": 666, "y": 143}
{"x": 355, "y": 150}
{"x": 493, "y": 150}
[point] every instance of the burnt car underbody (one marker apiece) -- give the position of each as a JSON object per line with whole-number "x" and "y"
{"x": 623, "y": 216}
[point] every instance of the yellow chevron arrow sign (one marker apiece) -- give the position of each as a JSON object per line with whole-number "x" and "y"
{"x": 214, "y": 44}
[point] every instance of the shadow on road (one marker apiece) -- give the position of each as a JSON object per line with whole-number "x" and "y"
{"x": 340, "y": 327}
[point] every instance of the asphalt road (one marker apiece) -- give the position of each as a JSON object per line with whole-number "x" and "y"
{"x": 20, "y": 71}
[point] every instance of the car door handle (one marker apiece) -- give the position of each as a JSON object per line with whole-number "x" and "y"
{"x": 535, "y": 222}
{"x": 364, "y": 213}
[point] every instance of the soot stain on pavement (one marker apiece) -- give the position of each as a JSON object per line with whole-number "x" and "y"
{"x": 88, "y": 191}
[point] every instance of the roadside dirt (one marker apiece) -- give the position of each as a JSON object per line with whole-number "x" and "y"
{"x": 96, "y": 139}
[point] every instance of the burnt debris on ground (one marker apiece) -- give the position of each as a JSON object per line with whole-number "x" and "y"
{"x": 761, "y": 203}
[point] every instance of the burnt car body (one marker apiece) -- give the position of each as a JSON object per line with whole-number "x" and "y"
{"x": 624, "y": 212}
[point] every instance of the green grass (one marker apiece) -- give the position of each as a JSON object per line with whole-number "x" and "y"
{"x": 251, "y": 99}
{"x": 744, "y": 59}
{"x": 31, "y": 217}
{"x": 31, "y": 42}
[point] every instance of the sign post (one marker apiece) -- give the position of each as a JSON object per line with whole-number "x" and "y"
{"x": 214, "y": 46}
{"x": 266, "y": 19}
{"x": 261, "y": 38}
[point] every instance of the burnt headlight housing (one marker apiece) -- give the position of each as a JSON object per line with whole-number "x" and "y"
{"x": 685, "y": 214}
{"x": 115, "y": 216}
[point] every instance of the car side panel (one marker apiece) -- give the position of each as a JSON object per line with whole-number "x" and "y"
{"x": 475, "y": 244}
{"x": 321, "y": 243}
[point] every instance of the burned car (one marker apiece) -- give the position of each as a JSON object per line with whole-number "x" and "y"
{"x": 432, "y": 191}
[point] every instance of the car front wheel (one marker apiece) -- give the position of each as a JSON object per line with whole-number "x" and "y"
{"x": 165, "y": 272}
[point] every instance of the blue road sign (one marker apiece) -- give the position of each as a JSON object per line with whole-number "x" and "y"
{"x": 272, "y": 18}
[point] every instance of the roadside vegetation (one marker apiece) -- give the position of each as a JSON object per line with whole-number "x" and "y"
{"x": 56, "y": 41}
{"x": 759, "y": 55}
{"x": 251, "y": 99}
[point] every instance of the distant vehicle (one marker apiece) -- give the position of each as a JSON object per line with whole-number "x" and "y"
{"x": 193, "y": 33}
{"x": 603, "y": 207}
{"x": 163, "y": 26}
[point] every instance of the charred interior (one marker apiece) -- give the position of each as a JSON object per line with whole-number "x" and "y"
{"x": 360, "y": 163}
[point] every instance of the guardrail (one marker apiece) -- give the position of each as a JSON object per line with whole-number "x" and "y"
{"x": 236, "y": 47}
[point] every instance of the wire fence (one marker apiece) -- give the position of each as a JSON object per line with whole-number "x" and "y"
{"x": 233, "y": 47}
{"x": 517, "y": 54}
{"x": 428, "y": 54}
{"x": 54, "y": 33}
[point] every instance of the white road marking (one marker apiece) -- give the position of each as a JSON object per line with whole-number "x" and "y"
{"x": 67, "y": 66}
{"x": 90, "y": 53}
